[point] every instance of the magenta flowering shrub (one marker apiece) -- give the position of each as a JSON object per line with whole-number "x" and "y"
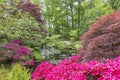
{"x": 71, "y": 69}
{"x": 15, "y": 51}
{"x": 17, "y": 41}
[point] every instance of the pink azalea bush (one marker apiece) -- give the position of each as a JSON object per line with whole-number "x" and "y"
{"x": 71, "y": 69}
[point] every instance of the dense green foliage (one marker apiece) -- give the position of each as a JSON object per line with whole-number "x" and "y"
{"x": 16, "y": 21}
{"x": 63, "y": 16}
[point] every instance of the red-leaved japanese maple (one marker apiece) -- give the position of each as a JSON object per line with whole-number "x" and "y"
{"x": 102, "y": 40}
{"x": 34, "y": 10}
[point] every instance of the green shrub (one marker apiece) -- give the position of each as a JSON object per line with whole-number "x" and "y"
{"x": 74, "y": 35}
{"x": 17, "y": 72}
{"x": 65, "y": 48}
{"x": 4, "y": 73}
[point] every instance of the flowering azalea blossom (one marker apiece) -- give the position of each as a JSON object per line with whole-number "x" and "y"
{"x": 71, "y": 69}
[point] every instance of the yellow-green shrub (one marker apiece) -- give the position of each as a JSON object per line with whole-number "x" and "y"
{"x": 4, "y": 73}
{"x": 17, "y": 72}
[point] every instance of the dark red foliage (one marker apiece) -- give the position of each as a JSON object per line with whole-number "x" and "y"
{"x": 102, "y": 40}
{"x": 32, "y": 9}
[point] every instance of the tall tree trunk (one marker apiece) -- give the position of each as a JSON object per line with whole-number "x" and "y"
{"x": 79, "y": 5}
{"x": 72, "y": 16}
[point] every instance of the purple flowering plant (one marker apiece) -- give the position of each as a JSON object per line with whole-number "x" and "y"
{"x": 15, "y": 51}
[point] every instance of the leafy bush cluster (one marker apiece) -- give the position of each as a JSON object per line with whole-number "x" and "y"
{"x": 17, "y": 72}
{"x": 102, "y": 40}
{"x": 17, "y": 20}
{"x": 71, "y": 69}
{"x": 15, "y": 51}
{"x": 74, "y": 35}
{"x": 65, "y": 47}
